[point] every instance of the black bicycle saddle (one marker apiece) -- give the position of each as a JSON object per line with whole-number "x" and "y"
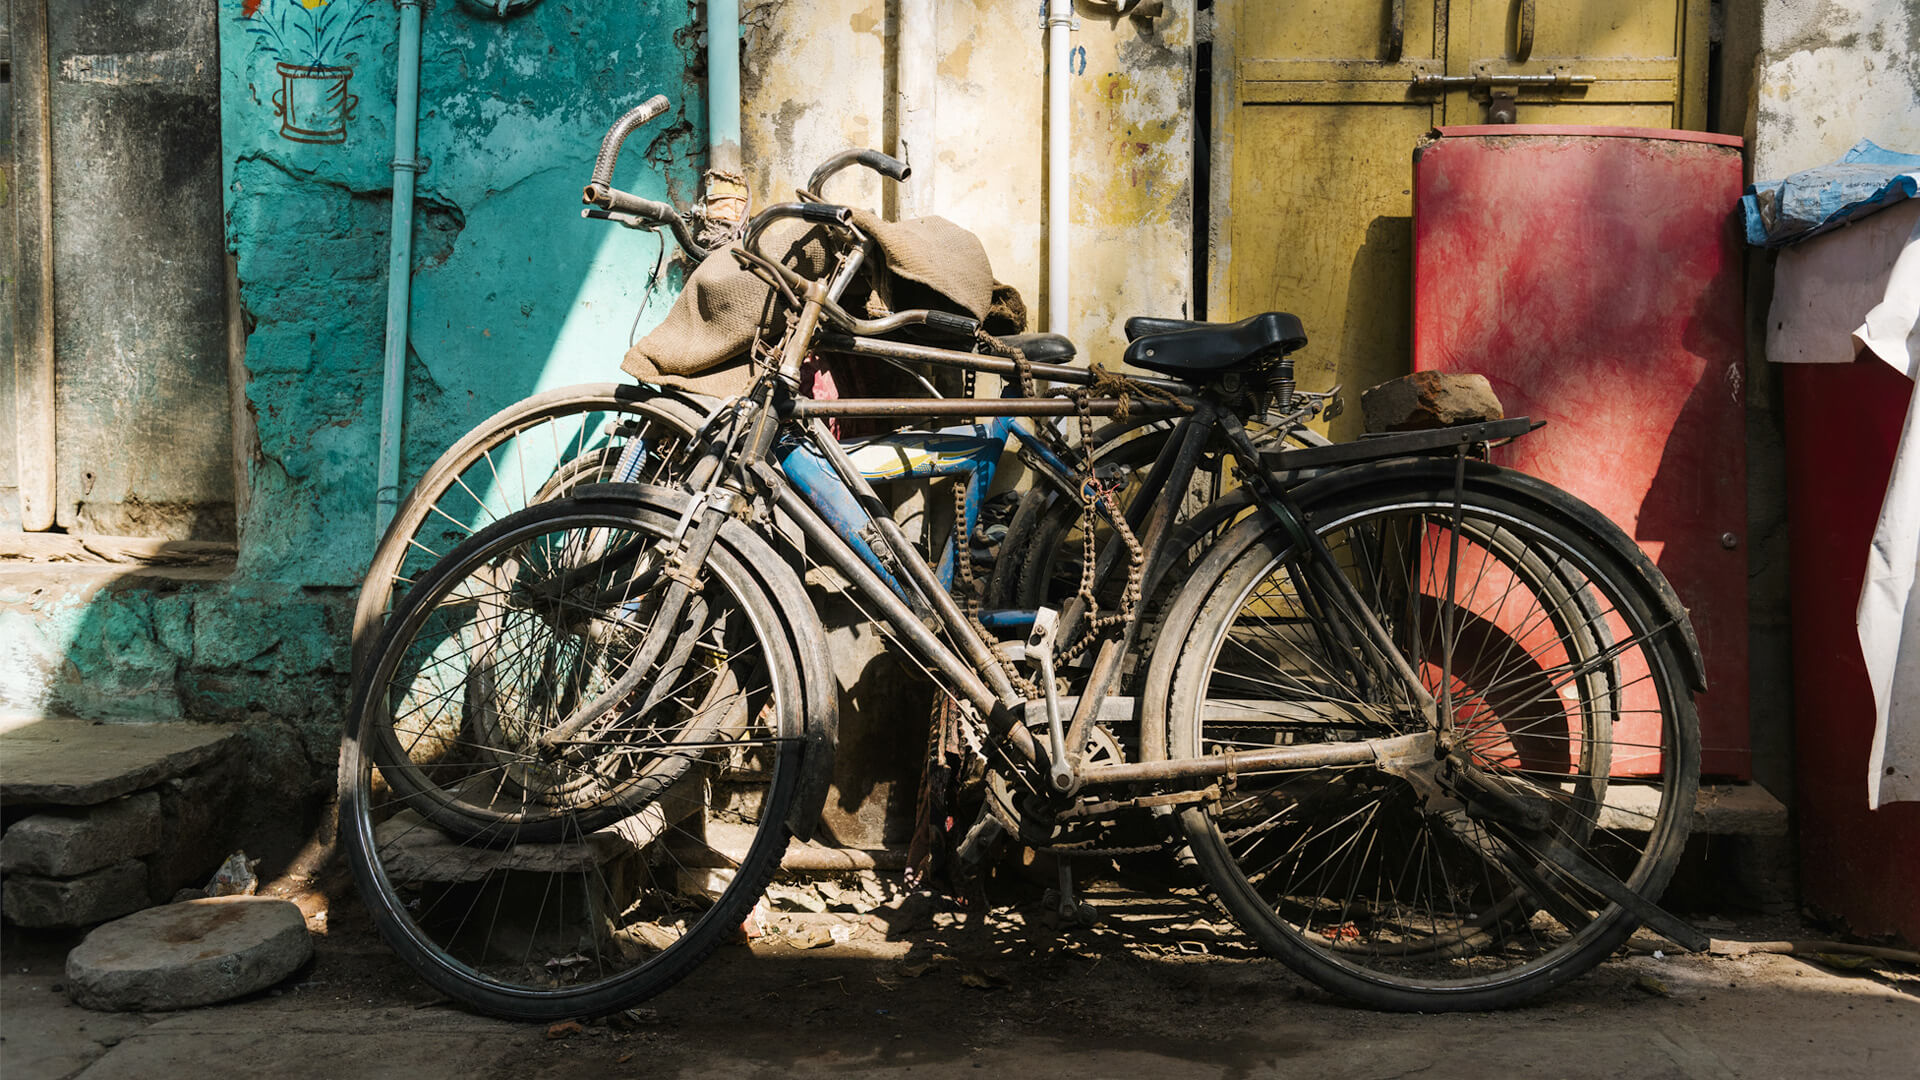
{"x": 1180, "y": 348}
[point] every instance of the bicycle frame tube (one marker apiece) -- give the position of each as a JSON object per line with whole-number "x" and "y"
{"x": 918, "y": 455}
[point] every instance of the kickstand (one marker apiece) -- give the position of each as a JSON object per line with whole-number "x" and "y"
{"x": 1062, "y": 901}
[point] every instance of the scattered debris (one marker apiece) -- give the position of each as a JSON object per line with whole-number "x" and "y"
{"x": 1647, "y": 984}
{"x": 755, "y": 924}
{"x": 1844, "y": 961}
{"x": 566, "y": 1029}
{"x": 981, "y": 980}
{"x": 235, "y": 877}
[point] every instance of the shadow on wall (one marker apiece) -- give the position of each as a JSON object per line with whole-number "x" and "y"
{"x": 512, "y": 293}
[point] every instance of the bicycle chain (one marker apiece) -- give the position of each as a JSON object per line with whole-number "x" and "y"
{"x": 1092, "y": 493}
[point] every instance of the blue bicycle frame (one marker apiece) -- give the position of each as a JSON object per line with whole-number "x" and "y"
{"x": 970, "y": 453}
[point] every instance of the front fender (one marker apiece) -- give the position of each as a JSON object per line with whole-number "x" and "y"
{"x": 820, "y": 713}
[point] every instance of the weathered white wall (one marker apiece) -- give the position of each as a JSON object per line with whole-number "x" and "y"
{"x": 818, "y": 77}
{"x": 1830, "y": 73}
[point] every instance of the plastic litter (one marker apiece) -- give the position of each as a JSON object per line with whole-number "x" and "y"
{"x": 235, "y": 877}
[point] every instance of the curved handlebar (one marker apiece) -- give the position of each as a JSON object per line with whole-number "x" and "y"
{"x": 624, "y": 206}
{"x": 617, "y": 134}
{"x": 619, "y": 202}
{"x": 889, "y": 167}
{"x": 812, "y": 213}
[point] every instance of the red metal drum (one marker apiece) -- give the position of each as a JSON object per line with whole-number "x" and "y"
{"x": 1593, "y": 275}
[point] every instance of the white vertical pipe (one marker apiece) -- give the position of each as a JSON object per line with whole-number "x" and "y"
{"x": 1059, "y": 184}
{"x": 918, "y": 81}
{"x": 723, "y": 85}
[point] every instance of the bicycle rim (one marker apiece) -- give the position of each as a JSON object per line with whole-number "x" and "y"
{"x": 532, "y": 451}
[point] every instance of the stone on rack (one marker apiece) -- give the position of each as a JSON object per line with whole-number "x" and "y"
{"x": 1430, "y": 399}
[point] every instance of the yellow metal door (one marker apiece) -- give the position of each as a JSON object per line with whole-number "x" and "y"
{"x": 1618, "y": 63}
{"x": 1319, "y": 104}
{"x": 1311, "y": 194}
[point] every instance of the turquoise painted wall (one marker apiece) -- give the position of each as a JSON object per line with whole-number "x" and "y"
{"x": 512, "y": 290}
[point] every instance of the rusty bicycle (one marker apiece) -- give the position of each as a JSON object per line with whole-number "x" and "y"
{"x": 1424, "y": 725}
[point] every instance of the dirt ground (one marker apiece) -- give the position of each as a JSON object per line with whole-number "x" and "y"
{"x": 1160, "y": 987}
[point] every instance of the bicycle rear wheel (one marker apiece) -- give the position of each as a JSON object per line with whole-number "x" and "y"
{"x": 535, "y": 449}
{"x": 1559, "y": 691}
{"x": 540, "y": 881}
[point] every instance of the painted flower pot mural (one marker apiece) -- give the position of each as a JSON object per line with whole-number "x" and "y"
{"x": 313, "y": 104}
{"x": 311, "y": 42}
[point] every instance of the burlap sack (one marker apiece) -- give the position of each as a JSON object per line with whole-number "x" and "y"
{"x": 714, "y": 319}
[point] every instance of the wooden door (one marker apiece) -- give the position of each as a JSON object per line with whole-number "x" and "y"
{"x": 117, "y": 306}
{"x": 1311, "y": 198}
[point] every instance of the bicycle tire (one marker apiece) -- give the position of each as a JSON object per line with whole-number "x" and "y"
{"x": 484, "y": 476}
{"x": 1352, "y": 876}
{"x": 578, "y": 900}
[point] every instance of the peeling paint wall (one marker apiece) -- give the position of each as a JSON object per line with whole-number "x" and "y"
{"x": 512, "y": 293}
{"x": 1830, "y": 73}
{"x": 817, "y": 78}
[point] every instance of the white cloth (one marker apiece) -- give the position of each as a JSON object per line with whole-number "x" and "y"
{"x": 1888, "y": 618}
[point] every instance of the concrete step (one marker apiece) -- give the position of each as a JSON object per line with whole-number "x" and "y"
{"x": 54, "y": 760}
{"x": 1720, "y": 809}
{"x": 105, "y": 819}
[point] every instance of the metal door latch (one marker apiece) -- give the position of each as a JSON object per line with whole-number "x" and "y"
{"x": 1500, "y": 88}
{"x": 1485, "y": 79}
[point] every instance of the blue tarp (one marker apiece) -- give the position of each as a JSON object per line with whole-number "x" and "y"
{"x": 1810, "y": 202}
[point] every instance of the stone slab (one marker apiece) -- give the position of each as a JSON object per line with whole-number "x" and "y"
{"x": 178, "y": 956}
{"x": 67, "y": 844}
{"x": 32, "y": 900}
{"x": 48, "y": 1037}
{"x": 314, "y": 1035}
{"x": 77, "y": 763}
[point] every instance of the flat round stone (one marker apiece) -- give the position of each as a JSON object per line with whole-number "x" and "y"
{"x": 178, "y": 956}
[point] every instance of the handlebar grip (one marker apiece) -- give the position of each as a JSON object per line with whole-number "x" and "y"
{"x": 617, "y": 134}
{"x": 624, "y": 202}
{"x": 889, "y": 167}
{"x": 825, "y": 214}
{"x": 957, "y": 325}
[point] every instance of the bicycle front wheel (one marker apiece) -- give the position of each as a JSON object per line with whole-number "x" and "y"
{"x": 536, "y": 869}
{"x": 537, "y": 449}
{"x": 1558, "y": 691}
